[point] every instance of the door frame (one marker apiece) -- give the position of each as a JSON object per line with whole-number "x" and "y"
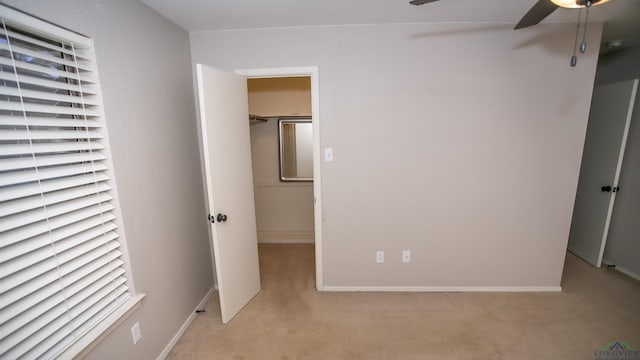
{"x": 312, "y": 72}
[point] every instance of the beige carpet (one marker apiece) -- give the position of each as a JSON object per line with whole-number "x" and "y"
{"x": 289, "y": 319}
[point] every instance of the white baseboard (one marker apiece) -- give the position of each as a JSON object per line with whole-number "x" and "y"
{"x": 286, "y": 237}
{"x": 167, "y": 349}
{"x": 443, "y": 288}
{"x": 622, "y": 270}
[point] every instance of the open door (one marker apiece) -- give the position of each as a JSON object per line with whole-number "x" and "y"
{"x": 227, "y": 156}
{"x": 604, "y": 147}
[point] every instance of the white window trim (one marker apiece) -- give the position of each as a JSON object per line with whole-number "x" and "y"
{"x": 43, "y": 28}
{"x": 84, "y": 345}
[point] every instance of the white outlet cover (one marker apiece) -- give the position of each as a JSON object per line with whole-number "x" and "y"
{"x": 136, "y": 334}
{"x": 380, "y": 257}
{"x": 406, "y": 256}
{"x": 328, "y": 154}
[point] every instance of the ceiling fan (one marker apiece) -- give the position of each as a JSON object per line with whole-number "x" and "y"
{"x": 540, "y": 9}
{"x": 543, "y": 8}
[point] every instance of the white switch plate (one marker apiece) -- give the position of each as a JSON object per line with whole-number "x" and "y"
{"x": 328, "y": 154}
{"x": 406, "y": 256}
{"x": 136, "y": 334}
{"x": 380, "y": 257}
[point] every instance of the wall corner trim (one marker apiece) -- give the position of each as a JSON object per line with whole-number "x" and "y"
{"x": 174, "y": 340}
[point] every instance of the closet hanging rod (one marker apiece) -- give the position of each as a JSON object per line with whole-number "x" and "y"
{"x": 257, "y": 118}
{"x": 280, "y": 117}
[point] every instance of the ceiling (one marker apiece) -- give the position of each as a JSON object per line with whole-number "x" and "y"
{"x": 621, "y": 17}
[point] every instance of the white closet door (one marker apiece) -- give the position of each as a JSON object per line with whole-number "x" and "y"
{"x": 609, "y": 121}
{"x": 224, "y": 117}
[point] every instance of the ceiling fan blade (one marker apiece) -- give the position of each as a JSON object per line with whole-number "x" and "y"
{"x": 421, "y": 2}
{"x": 537, "y": 13}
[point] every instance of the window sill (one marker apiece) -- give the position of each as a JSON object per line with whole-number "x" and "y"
{"x": 91, "y": 339}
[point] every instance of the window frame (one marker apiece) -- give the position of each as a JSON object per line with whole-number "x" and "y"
{"x": 38, "y": 28}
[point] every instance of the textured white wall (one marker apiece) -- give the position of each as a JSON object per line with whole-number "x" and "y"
{"x": 144, "y": 67}
{"x": 461, "y": 142}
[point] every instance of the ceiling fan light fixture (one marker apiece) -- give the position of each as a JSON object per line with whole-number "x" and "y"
{"x": 575, "y": 4}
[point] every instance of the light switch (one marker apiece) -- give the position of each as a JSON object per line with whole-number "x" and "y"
{"x": 328, "y": 154}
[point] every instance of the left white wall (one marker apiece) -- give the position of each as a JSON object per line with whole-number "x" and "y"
{"x": 145, "y": 70}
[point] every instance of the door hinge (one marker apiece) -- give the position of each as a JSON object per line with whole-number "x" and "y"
{"x": 211, "y": 219}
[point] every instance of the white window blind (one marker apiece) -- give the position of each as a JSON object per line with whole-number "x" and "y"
{"x": 62, "y": 262}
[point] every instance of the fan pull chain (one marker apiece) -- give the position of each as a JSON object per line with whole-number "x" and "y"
{"x": 583, "y": 45}
{"x": 574, "y": 58}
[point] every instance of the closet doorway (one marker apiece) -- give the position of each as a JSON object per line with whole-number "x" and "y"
{"x": 287, "y": 212}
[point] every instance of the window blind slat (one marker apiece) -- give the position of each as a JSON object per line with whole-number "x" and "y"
{"x": 27, "y": 162}
{"x": 16, "y": 305}
{"x": 18, "y": 220}
{"x": 47, "y": 45}
{"x": 30, "y": 175}
{"x": 44, "y": 148}
{"x": 39, "y": 43}
{"x": 20, "y": 318}
{"x": 99, "y": 310}
{"x": 88, "y": 251}
{"x": 51, "y": 314}
{"x": 62, "y": 239}
{"x": 47, "y": 121}
{"x": 78, "y": 292}
{"x": 51, "y": 185}
{"x": 23, "y": 239}
{"x": 50, "y": 84}
{"x": 52, "y": 72}
{"x": 56, "y": 302}
{"x": 87, "y": 297}
{"x": 105, "y": 308}
{"x": 34, "y": 202}
{"x": 33, "y": 333}
{"x": 83, "y": 65}
{"x": 46, "y": 109}
{"x": 40, "y": 275}
{"x": 8, "y": 135}
{"x": 41, "y": 95}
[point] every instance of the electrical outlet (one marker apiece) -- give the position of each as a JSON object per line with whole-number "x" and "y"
{"x": 380, "y": 257}
{"x": 136, "y": 334}
{"x": 406, "y": 256}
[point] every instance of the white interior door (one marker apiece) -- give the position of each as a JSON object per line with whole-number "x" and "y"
{"x": 607, "y": 131}
{"x": 227, "y": 156}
